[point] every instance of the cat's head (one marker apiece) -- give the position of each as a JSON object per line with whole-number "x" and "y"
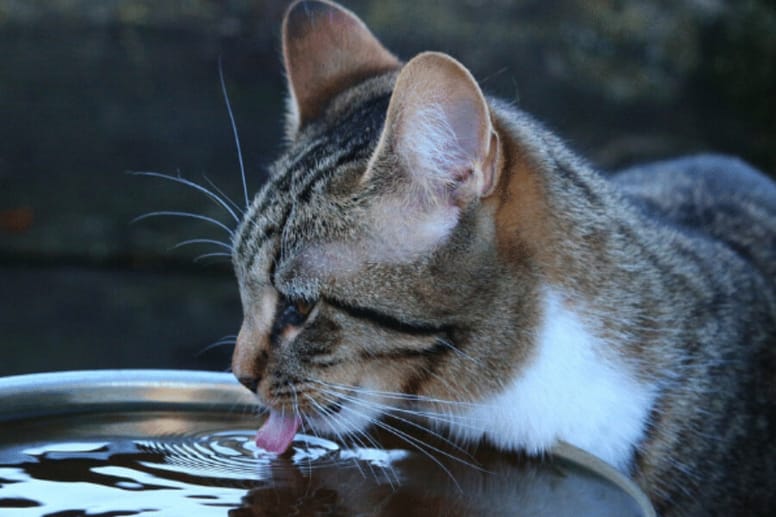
{"x": 367, "y": 261}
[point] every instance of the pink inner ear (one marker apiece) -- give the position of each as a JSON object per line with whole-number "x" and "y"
{"x": 440, "y": 124}
{"x": 441, "y": 144}
{"x": 465, "y": 121}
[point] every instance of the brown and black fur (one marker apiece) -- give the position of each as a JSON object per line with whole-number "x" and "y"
{"x": 675, "y": 263}
{"x": 712, "y": 432}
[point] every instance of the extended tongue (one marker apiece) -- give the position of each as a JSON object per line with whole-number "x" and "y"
{"x": 278, "y": 432}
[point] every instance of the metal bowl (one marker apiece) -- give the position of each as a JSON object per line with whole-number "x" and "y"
{"x": 159, "y": 442}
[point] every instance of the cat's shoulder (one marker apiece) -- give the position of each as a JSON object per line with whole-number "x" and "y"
{"x": 711, "y": 198}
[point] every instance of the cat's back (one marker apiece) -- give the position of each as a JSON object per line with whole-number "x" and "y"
{"x": 713, "y": 218}
{"x": 714, "y": 196}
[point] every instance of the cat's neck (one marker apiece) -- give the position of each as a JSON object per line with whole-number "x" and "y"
{"x": 582, "y": 240}
{"x": 559, "y": 233}
{"x": 553, "y": 207}
{"x": 596, "y": 405}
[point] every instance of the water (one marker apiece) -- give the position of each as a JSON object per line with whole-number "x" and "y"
{"x": 181, "y": 443}
{"x": 198, "y": 463}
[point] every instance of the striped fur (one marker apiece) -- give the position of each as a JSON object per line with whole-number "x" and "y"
{"x": 517, "y": 296}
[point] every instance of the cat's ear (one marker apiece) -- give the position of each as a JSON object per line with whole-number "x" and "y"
{"x": 438, "y": 125}
{"x": 326, "y": 49}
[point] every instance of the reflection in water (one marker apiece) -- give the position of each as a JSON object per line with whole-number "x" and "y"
{"x": 214, "y": 468}
{"x": 506, "y": 485}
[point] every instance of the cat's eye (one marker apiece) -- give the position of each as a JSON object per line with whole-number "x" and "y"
{"x": 303, "y": 307}
{"x": 291, "y": 313}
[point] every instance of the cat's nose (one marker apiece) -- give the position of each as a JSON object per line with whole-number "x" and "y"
{"x": 250, "y": 357}
{"x": 252, "y": 383}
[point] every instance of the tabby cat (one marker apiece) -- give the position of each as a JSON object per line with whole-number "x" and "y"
{"x": 419, "y": 245}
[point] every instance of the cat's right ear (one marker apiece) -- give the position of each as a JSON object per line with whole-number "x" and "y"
{"x": 326, "y": 49}
{"x": 438, "y": 153}
{"x": 439, "y": 131}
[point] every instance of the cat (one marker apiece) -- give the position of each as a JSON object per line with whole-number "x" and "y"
{"x": 422, "y": 247}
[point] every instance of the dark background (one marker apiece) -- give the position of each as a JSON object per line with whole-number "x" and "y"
{"x": 92, "y": 89}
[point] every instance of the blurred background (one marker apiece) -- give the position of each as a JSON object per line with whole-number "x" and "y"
{"x": 93, "y": 89}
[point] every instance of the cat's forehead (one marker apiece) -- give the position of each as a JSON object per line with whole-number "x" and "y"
{"x": 327, "y": 146}
{"x": 298, "y": 200}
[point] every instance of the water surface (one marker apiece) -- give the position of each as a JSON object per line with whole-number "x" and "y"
{"x": 199, "y": 463}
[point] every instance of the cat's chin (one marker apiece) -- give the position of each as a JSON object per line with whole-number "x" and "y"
{"x": 346, "y": 418}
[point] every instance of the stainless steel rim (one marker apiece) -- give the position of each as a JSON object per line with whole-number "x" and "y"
{"x": 61, "y": 393}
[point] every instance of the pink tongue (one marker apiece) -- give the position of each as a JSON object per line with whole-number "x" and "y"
{"x": 278, "y": 432}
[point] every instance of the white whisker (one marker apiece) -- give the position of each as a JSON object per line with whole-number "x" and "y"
{"x": 173, "y": 213}
{"x": 226, "y": 198}
{"x": 234, "y": 129}
{"x": 364, "y": 403}
{"x": 202, "y": 241}
{"x": 298, "y": 416}
{"x": 398, "y": 395}
{"x": 389, "y": 471}
{"x": 196, "y": 186}
{"x": 416, "y": 443}
{"x": 226, "y": 340}
{"x": 458, "y": 351}
{"x": 324, "y": 414}
{"x": 200, "y": 258}
{"x": 435, "y": 416}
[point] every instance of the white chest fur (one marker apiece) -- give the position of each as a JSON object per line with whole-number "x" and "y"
{"x": 569, "y": 391}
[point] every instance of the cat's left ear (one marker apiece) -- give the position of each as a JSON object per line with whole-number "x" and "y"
{"x": 439, "y": 127}
{"x": 326, "y": 49}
